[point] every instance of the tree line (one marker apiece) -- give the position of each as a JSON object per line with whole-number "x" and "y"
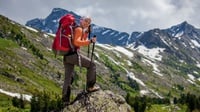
{"x": 192, "y": 101}
{"x": 45, "y": 102}
{"x": 40, "y": 102}
{"x": 141, "y": 103}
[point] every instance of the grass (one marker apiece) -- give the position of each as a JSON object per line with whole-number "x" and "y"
{"x": 4, "y": 43}
{"x": 12, "y": 65}
{"x": 5, "y": 101}
{"x": 6, "y": 105}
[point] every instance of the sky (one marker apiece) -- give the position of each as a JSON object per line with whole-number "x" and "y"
{"x": 122, "y": 15}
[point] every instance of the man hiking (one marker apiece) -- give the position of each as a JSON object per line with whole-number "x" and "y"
{"x": 75, "y": 58}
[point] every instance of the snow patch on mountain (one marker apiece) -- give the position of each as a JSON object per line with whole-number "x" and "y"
{"x": 153, "y": 53}
{"x": 168, "y": 44}
{"x": 117, "y": 54}
{"x": 45, "y": 35}
{"x": 103, "y": 33}
{"x": 179, "y": 34}
{"x": 18, "y": 95}
{"x": 51, "y": 34}
{"x": 24, "y": 48}
{"x": 117, "y": 48}
{"x": 154, "y": 65}
{"x": 32, "y": 29}
{"x": 191, "y": 77}
{"x": 49, "y": 49}
{"x": 144, "y": 92}
{"x": 129, "y": 63}
{"x": 124, "y": 51}
{"x": 189, "y": 80}
{"x": 195, "y": 72}
{"x": 198, "y": 64}
{"x": 106, "y": 46}
{"x": 132, "y": 76}
{"x": 110, "y": 58}
{"x": 195, "y": 43}
{"x": 122, "y": 37}
{"x": 155, "y": 93}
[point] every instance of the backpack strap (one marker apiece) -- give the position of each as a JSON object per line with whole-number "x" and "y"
{"x": 78, "y": 51}
{"x": 70, "y": 38}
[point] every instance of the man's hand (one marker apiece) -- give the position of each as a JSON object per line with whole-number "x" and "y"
{"x": 93, "y": 40}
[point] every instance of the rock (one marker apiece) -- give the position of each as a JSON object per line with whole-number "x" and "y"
{"x": 99, "y": 101}
{"x": 7, "y": 74}
{"x": 18, "y": 79}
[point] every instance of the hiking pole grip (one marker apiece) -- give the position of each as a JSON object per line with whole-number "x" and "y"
{"x": 89, "y": 31}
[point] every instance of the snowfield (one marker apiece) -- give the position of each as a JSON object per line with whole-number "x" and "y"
{"x": 18, "y": 95}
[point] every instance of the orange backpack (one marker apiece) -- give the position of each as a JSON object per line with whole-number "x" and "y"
{"x": 62, "y": 43}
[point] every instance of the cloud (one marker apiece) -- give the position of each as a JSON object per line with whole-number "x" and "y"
{"x": 122, "y": 15}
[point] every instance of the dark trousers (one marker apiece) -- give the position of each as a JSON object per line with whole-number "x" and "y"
{"x": 69, "y": 62}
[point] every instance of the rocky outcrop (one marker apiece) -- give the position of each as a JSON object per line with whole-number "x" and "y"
{"x": 99, "y": 101}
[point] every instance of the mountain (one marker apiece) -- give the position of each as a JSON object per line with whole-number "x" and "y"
{"x": 159, "y": 63}
{"x": 180, "y": 42}
{"x": 50, "y": 25}
{"x": 29, "y": 67}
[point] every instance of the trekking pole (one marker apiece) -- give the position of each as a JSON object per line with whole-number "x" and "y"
{"x": 93, "y": 49}
{"x": 88, "y": 55}
{"x": 89, "y": 30}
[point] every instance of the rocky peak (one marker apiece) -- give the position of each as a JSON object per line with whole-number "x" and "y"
{"x": 99, "y": 101}
{"x": 180, "y": 29}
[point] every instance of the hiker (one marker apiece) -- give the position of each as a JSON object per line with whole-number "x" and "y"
{"x": 75, "y": 58}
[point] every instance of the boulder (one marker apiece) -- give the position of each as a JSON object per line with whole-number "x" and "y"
{"x": 99, "y": 101}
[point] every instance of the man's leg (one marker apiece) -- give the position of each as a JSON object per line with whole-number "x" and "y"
{"x": 85, "y": 62}
{"x": 91, "y": 73}
{"x": 67, "y": 82}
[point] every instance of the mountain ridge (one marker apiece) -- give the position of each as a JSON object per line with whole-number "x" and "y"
{"x": 180, "y": 43}
{"x": 115, "y": 37}
{"x": 163, "y": 69}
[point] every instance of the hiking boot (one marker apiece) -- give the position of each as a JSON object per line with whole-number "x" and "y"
{"x": 93, "y": 89}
